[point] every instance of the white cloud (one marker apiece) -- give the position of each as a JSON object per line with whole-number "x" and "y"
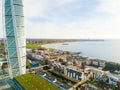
{"x": 93, "y": 27}
{"x": 109, "y": 6}
{"x": 102, "y": 21}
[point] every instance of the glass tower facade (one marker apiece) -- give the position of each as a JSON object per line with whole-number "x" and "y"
{"x": 15, "y": 40}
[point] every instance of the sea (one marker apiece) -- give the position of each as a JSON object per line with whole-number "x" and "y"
{"x": 108, "y": 50}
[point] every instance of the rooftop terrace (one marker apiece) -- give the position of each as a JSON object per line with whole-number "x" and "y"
{"x": 34, "y": 82}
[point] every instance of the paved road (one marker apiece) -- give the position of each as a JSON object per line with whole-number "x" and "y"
{"x": 39, "y": 67}
{"x": 80, "y": 83}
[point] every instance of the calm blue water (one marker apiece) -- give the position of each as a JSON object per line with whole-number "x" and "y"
{"x": 108, "y": 50}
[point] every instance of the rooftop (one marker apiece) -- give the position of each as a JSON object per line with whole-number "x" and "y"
{"x": 34, "y": 82}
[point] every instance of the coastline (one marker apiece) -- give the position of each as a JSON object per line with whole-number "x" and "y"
{"x": 106, "y": 53}
{"x": 108, "y": 63}
{"x": 96, "y": 59}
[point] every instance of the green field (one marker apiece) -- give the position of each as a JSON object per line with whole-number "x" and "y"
{"x": 1, "y": 45}
{"x": 33, "y": 45}
{"x": 34, "y": 82}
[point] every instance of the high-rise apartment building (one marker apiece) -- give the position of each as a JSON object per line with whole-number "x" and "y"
{"x": 15, "y": 38}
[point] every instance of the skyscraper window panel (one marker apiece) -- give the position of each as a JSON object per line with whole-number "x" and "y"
{"x": 18, "y": 10}
{"x": 8, "y": 11}
{"x": 19, "y": 21}
{"x": 17, "y": 2}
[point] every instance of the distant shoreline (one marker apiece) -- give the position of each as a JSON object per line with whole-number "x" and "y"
{"x": 106, "y": 60}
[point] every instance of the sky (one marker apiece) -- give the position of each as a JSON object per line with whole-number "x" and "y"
{"x": 81, "y": 19}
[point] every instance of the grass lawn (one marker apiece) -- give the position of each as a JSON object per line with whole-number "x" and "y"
{"x": 33, "y": 45}
{"x": 34, "y": 82}
{"x": 2, "y": 45}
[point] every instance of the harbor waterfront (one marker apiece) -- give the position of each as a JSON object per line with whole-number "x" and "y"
{"x": 107, "y": 50}
{"x": 72, "y": 71}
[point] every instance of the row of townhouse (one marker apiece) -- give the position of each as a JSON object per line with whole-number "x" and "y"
{"x": 70, "y": 71}
{"x": 96, "y": 63}
{"x": 105, "y": 76}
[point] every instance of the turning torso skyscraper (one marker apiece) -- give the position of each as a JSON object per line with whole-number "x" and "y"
{"x": 15, "y": 38}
